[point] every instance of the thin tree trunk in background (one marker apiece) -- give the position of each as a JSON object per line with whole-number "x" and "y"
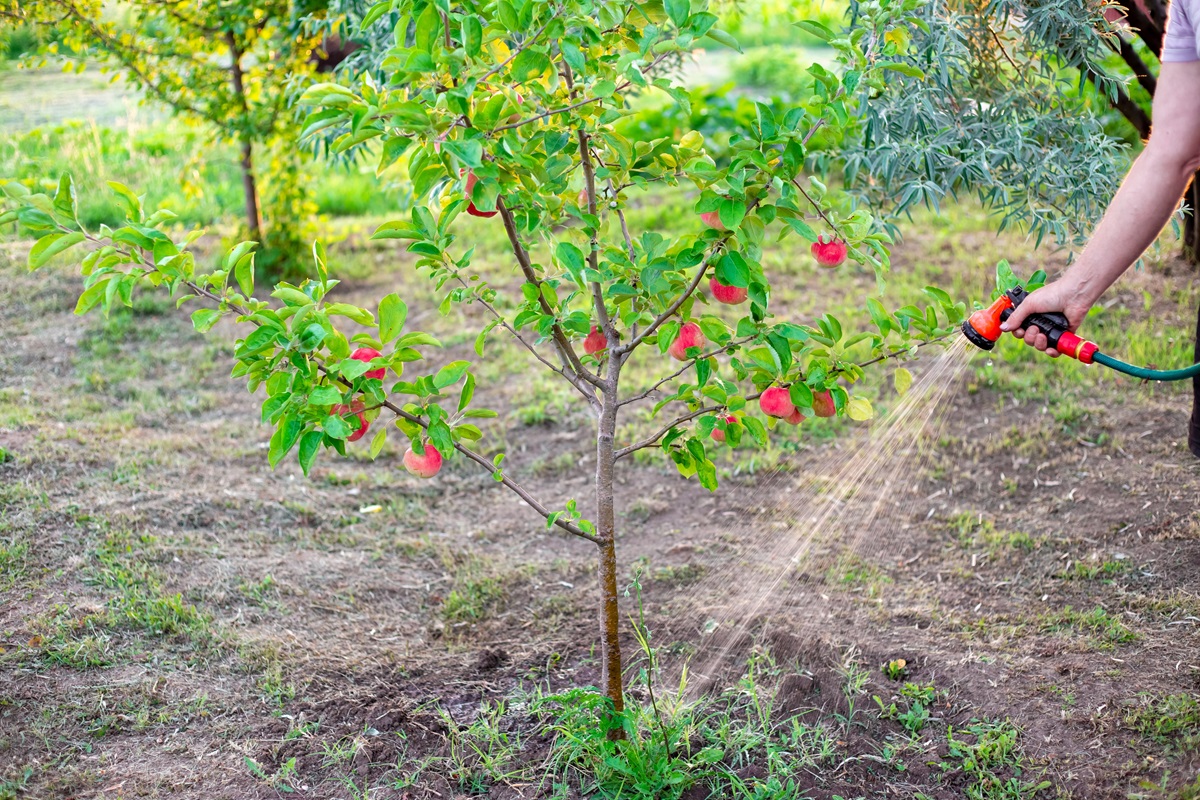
{"x": 1191, "y": 222}
{"x": 249, "y": 185}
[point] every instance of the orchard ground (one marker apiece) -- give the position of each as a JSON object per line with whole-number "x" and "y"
{"x": 177, "y": 619}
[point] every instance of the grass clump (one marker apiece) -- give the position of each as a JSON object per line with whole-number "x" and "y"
{"x": 1170, "y": 719}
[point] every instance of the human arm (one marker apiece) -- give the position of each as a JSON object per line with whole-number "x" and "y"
{"x": 1148, "y": 196}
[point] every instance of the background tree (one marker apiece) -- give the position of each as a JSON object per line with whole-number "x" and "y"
{"x": 231, "y": 66}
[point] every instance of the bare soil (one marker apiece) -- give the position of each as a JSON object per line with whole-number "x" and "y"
{"x": 372, "y": 604}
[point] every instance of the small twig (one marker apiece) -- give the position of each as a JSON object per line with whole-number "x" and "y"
{"x": 902, "y": 351}
{"x": 653, "y": 440}
{"x": 688, "y": 365}
{"x": 519, "y": 49}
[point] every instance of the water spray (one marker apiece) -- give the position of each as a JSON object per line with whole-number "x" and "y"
{"x": 982, "y": 329}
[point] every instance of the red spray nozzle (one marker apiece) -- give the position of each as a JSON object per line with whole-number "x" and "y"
{"x": 983, "y": 327}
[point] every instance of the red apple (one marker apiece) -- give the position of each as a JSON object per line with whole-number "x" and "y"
{"x": 718, "y": 435}
{"x": 341, "y": 409}
{"x": 690, "y": 336}
{"x": 713, "y": 220}
{"x": 829, "y": 254}
{"x": 776, "y": 402}
{"x": 794, "y": 418}
{"x": 467, "y": 189}
{"x": 595, "y": 342}
{"x": 729, "y": 295}
{"x": 425, "y": 466}
{"x": 366, "y": 354}
{"x": 823, "y": 405}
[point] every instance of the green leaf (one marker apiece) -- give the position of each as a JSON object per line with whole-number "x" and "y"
{"x": 378, "y": 441}
{"x": 450, "y": 374}
{"x": 571, "y": 257}
{"x": 51, "y": 245}
{"x": 859, "y": 408}
{"x": 1005, "y": 277}
{"x": 801, "y": 395}
{"x": 732, "y": 270}
{"x": 902, "y": 68}
{"x": 392, "y": 314}
{"x": 529, "y": 64}
{"x": 336, "y": 427}
{"x": 359, "y": 315}
{"x": 310, "y": 443}
{"x": 130, "y": 201}
{"x": 468, "y": 151}
{"x": 721, "y": 37}
{"x": 93, "y": 295}
{"x": 472, "y": 34}
{"x": 815, "y": 28}
{"x": 243, "y": 272}
{"x": 204, "y": 318}
{"x": 468, "y": 392}
{"x": 283, "y": 440}
{"x": 679, "y": 11}
{"x": 324, "y": 396}
{"x": 902, "y": 379}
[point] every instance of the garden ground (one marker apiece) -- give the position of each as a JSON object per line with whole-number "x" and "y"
{"x": 179, "y": 620}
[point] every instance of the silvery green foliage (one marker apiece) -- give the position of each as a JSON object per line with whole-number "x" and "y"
{"x": 997, "y": 114}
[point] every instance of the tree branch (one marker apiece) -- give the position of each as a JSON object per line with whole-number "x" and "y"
{"x": 589, "y": 179}
{"x": 517, "y": 51}
{"x": 688, "y": 365}
{"x": 513, "y": 331}
{"x": 566, "y": 352}
{"x": 653, "y": 440}
{"x": 515, "y": 487}
{"x": 1121, "y": 101}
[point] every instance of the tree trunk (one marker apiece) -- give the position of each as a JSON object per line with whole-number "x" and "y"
{"x": 249, "y": 185}
{"x": 610, "y": 617}
{"x": 250, "y": 188}
{"x": 1191, "y": 222}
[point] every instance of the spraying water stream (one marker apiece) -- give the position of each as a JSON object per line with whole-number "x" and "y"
{"x": 840, "y": 513}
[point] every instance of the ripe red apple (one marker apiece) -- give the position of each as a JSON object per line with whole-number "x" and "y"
{"x": 690, "y": 336}
{"x": 730, "y": 295}
{"x": 595, "y": 342}
{"x": 718, "y": 435}
{"x": 365, "y": 354}
{"x": 341, "y": 409}
{"x": 829, "y": 254}
{"x": 713, "y": 220}
{"x": 794, "y": 418}
{"x": 823, "y": 405}
{"x": 776, "y": 402}
{"x": 425, "y": 466}
{"x": 467, "y": 189}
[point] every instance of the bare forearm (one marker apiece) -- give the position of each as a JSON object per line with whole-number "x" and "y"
{"x": 1137, "y": 214}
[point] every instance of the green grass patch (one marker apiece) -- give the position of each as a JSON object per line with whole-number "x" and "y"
{"x": 1172, "y": 720}
{"x": 1103, "y": 630}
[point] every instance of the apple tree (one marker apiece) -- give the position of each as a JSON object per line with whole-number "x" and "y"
{"x": 503, "y": 112}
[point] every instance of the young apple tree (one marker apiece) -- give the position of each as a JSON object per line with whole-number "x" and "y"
{"x": 504, "y": 109}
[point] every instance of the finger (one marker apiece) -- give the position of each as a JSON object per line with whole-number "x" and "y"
{"x": 1017, "y": 316}
{"x": 1052, "y": 352}
{"x": 1041, "y": 343}
{"x": 1031, "y": 334}
{"x": 1019, "y": 333}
